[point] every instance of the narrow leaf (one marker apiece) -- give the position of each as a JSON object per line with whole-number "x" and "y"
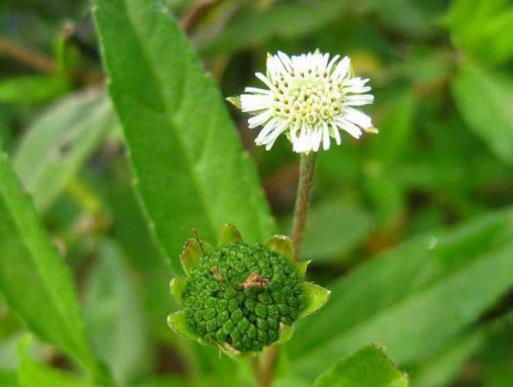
{"x": 33, "y": 278}
{"x": 59, "y": 142}
{"x": 188, "y": 161}
{"x": 414, "y": 299}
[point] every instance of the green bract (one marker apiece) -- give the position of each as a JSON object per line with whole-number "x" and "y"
{"x": 242, "y": 297}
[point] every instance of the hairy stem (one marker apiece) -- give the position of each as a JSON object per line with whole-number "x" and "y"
{"x": 304, "y": 188}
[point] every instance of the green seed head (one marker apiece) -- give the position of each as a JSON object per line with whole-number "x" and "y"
{"x": 238, "y": 296}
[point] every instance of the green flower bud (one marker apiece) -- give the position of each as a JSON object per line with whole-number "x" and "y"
{"x": 231, "y": 276}
{"x": 242, "y": 297}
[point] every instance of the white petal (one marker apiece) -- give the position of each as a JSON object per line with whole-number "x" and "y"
{"x": 342, "y": 68}
{"x": 257, "y": 90}
{"x": 268, "y": 128}
{"x": 264, "y": 79}
{"x": 325, "y": 136}
{"x": 250, "y": 102}
{"x": 358, "y": 100}
{"x": 359, "y": 118}
{"x": 349, "y": 127}
{"x": 260, "y": 119}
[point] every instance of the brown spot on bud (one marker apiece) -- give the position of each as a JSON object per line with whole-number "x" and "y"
{"x": 216, "y": 273}
{"x": 254, "y": 281}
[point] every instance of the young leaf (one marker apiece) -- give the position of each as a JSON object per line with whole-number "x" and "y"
{"x": 369, "y": 367}
{"x": 414, "y": 299}
{"x": 33, "y": 278}
{"x": 59, "y": 142}
{"x": 484, "y": 99}
{"x": 188, "y": 161}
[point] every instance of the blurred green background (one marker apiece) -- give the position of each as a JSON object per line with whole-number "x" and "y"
{"x": 442, "y": 74}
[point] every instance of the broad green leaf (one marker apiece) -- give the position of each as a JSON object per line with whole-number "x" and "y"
{"x": 59, "y": 142}
{"x": 115, "y": 316}
{"x": 484, "y": 99}
{"x": 368, "y": 367}
{"x": 413, "y": 299}
{"x": 33, "y": 278}
{"x": 188, "y": 161}
{"x": 32, "y": 88}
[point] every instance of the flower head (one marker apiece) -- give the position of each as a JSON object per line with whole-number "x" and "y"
{"x": 310, "y": 98}
{"x": 242, "y": 297}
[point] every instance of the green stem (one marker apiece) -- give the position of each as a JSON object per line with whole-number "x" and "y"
{"x": 265, "y": 374}
{"x": 304, "y": 188}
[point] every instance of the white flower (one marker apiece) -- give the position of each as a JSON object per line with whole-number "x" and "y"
{"x": 310, "y": 98}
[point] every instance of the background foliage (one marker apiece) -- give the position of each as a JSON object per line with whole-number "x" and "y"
{"x": 411, "y": 230}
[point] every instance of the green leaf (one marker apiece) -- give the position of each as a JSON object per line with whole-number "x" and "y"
{"x": 446, "y": 365}
{"x": 496, "y": 356}
{"x": 413, "y": 299}
{"x": 59, "y": 142}
{"x": 31, "y": 373}
{"x": 482, "y": 29}
{"x": 369, "y": 367}
{"x": 29, "y": 89}
{"x": 115, "y": 316}
{"x": 33, "y": 278}
{"x": 316, "y": 296}
{"x": 189, "y": 165}
{"x": 484, "y": 99}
